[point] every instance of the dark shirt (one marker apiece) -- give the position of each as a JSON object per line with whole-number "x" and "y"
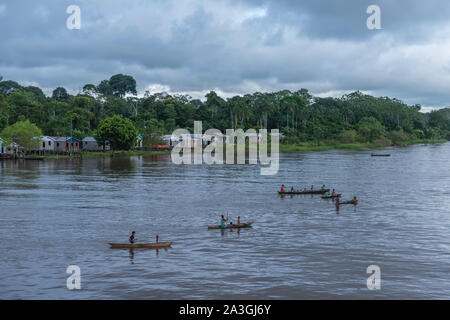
{"x": 131, "y": 239}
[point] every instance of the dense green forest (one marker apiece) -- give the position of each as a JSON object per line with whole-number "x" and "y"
{"x": 353, "y": 118}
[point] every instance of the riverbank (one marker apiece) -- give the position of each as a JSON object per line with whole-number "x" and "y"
{"x": 284, "y": 148}
{"x": 85, "y": 154}
{"x": 322, "y": 146}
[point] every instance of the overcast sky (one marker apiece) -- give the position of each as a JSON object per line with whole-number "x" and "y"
{"x": 233, "y": 46}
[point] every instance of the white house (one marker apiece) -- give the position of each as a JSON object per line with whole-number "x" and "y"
{"x": 46, "y": 143}
{"x": 90, "y": 144}
{"x": 13, "y": 148}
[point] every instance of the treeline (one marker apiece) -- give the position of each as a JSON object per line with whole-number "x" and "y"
{"x": 355, "y": 117}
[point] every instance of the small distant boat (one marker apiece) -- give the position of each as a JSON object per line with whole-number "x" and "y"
{"x": 233, "y": 226}
{"x": 140, "y": 245}
{"x": 380, "y": 154}
{"x": 355, "y": 202}
{"x": 305, "y": 192}
{"x": 331, "y": 197}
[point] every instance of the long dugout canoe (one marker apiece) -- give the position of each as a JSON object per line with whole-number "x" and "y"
{"x": 348, "y": 202}
{"x": 331, "y": 197}
{"x": 305, "y": 192}
{"x": 234, "y": 226}
{"x": 140, "y": 245}
{"x": 380, "y": 154}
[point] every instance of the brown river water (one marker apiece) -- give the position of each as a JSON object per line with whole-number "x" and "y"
{"x": 56, "y": 213}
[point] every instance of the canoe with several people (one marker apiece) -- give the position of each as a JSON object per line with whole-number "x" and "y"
{"x": 231, "y": 225}
{"x": 331, "y": 195}
{"x": 322, "y": 190}
{"x": 132, "y": 244}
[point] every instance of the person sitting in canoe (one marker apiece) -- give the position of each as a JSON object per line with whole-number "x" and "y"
{"x": 327, "y": 194}
{"x": 223, "y": 221}
{"x": 132, "y": 239}
{"x": 282, "y": 188}
{"x": 323, "y": 188}
{"x": 354, "y": 199}
{"x": 292, "y": 189}
{"x": 312, "y": 188}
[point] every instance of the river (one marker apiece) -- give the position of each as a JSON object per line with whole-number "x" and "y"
{"x": 56, "y": 213}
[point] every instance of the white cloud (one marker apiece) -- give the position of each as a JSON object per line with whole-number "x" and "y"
{"x": 231, "y": 46}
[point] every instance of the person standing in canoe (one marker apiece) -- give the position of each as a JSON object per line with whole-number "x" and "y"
{"x": 223, "y": 222}
{"x": 292, "y": 189}
{"x": 282, "y": 188}
{"x": 239, "y": 220}
{"x": 132, "y": 239}
{"x": 323, "y": 188}
{"x": 312, "y": 188}
{"x": 333, "y": 194}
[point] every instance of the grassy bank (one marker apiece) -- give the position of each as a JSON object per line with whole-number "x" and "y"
{"x": 321, "y": 146}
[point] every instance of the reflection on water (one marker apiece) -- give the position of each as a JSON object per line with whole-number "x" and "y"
{"x": 66, "y": 211}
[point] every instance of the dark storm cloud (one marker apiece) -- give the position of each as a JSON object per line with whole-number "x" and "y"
{"x": 233, "y": 46}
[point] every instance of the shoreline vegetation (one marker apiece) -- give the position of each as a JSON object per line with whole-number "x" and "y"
{"x": 112, "y": 114}
{"x": 283, "y": 148}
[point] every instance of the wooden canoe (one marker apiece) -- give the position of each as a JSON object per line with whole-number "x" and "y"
{"x": 380, "y": 155}
{"x": 305, "y": 192}
{"x": 234, "y": 226}
{"x": 331, "y": 197}
{"x": 140, "y": 245}
{"x": 348, "y": 202}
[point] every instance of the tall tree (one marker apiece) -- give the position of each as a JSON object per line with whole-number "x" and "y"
{"x": 24, "y": 133}
{"x": 60, "y": 94}
{"x": 118, "y": 131}
{"x": 122, "y": 84}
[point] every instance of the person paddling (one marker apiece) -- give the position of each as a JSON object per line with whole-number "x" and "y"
{"x": 223, "y": 221}
{"x": 239, "y": 220}
{"x": 282, "y": 188}
{"x": 132, "y": 239}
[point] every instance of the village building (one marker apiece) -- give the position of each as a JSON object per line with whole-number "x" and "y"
{"x": 91, "y": 144}
{"x": 66, "y": 144}
{"x": 46, "y": 143}
{"x": 13, "y": 149}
